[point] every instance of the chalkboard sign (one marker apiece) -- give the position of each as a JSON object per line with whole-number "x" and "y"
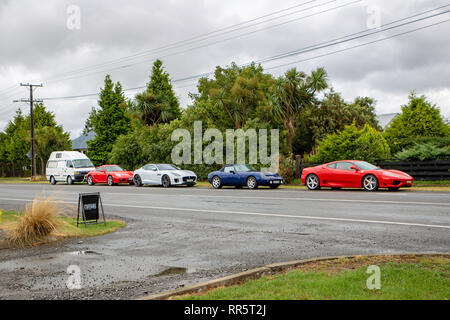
{"x": 89, "y": 205}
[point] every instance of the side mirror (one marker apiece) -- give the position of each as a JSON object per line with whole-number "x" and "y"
{"x": 354, "y": 168}
{"x": 232, "y": 172}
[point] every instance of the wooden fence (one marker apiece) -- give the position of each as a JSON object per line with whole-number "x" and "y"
{"x": 419, "y": 170}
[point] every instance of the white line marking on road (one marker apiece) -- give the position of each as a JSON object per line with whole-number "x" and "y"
{"x": 258, "y": 214}
{"x": 295, "y": 199}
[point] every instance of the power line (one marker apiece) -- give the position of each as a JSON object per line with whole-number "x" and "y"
{"x": 190, "y": 40}
{"x": 209, "y": 44}
{"x": 213, "y": 43}
{"x": 291, "y": 53}
{"x": 360, "y": 45}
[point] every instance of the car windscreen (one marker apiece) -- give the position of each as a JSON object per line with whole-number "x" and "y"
{"x": 366, "y": 166}
{"x": 244, "y": 168}
{"x": 82, "y": 163}
{"x": 113, "y": 168}
{"x": 167, "y": 167}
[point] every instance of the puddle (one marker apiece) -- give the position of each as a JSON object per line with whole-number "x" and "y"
{"x": 171, "y": 271}
{"x": 83, "y": 253}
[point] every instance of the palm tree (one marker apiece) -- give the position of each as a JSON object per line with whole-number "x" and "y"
{"x": 153, "y": 109}
{"x": 293, "y": 92}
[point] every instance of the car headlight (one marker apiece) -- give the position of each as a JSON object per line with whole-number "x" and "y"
{"x": 76, "y": 172}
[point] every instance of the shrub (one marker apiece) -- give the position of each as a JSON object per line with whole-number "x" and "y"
{"x": 423, "y": 152}
{"x": 366, "y": 144}
{"x": 408, "y": 143}
{"x": 36, "y": 224}
{"x": 287, "y": 169}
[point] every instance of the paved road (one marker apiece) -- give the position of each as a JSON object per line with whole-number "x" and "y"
{"x": 212, "y": 233}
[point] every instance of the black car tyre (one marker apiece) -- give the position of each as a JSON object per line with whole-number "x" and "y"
{"x": 370, "y": 183}
{"x": 90, "y": 181}
{"x": 165, "y": 181}
{"x": 137, "y": 181}
{"x": 69, "y": 180}
{"x": 252, "y": 183}
{"x": 216, "y": 182}
{"x": 313, "y": 182}
{"x": 52, "y": 180}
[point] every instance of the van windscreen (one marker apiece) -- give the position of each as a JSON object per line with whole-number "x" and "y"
{"x": 82, "y": 163}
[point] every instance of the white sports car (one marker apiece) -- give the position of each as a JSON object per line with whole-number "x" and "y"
{"x": 165, "y": 175}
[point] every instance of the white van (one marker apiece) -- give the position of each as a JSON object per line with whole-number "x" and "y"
{"x": 68, "y": 166}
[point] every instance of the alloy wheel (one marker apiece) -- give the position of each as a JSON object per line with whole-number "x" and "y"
{"x": 312, "y": 182}
{"x": 370, "y": 183}
{"x": 137, "y": 181}
{"x": 216, "y": 183}
{"x": 252, "y": 183}
{"x": 110, "y": 181}
{"x": 165, "y": 181}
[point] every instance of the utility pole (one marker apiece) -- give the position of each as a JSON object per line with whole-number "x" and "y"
{"x": 31, "y": 101}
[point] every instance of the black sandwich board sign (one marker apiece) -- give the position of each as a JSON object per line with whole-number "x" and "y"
{"x": 89, "y": 205}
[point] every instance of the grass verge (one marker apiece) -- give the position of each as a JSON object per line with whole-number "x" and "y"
{"x": 402, "y": 277}
{"x": 66, "y": 228}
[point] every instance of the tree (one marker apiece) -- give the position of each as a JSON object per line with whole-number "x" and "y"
{"x": 49, "y": 139}
{"x": 89, "y": 123}
{"x": 158, "y": 103}
{"x": 366, "y": 144}
{"x": 235, "y": 95}
{"x": 110, "y": 121}
{"x": 15, "y": 144}
{"x": 330, "y": 115}
{"x": 294, "y": 92}
{"x": 419, "y": 118}
{"x": 49, "y": 136}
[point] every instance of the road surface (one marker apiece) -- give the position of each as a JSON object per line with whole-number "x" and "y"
{"x": 180, "y": 236}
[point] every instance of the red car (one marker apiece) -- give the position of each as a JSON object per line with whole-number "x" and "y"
{"x": 110, "y": 174}
{"x": 354, "y": 174}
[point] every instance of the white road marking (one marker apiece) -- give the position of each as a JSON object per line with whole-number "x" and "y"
{"x": 258, "y": 214}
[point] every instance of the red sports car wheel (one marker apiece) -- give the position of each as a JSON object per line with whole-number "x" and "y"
{"x": 370, "y": 183}
{"x": 313, "y": 182}
{"x": 90, "y": 181}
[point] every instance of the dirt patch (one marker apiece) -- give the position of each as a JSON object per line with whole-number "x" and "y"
{"x": 339, "y": 265}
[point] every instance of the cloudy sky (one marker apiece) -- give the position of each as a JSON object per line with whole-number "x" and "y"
{"x": 69, "y": 46}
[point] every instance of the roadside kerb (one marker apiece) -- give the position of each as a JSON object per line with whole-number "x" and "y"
{"x": 263, "y": 271}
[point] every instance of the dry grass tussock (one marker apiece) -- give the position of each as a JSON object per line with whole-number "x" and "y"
{"x": 37, "y": 223}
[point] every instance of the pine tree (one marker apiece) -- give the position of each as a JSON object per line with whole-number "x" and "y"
{"x": 110, "y": 121}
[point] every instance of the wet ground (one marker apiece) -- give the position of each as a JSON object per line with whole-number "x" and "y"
{"x": 181, "y": 236}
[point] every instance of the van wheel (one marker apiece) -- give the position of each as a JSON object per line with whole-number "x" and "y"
{"x": 52, "y": 180}
{"x": 69, "y": 180}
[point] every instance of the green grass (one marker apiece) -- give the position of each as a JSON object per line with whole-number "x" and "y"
{"x": 68, "y": 226}
{"x": 423, "y": 279}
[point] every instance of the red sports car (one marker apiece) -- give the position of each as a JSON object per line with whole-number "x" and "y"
{"x": 354, "y": 174}
{"x": 110, "y": 174}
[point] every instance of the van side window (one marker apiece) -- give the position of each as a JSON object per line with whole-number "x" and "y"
{"x": 58, "y": 155}
{"x": 69, "y": 164}
{"x": 52, "y": 164}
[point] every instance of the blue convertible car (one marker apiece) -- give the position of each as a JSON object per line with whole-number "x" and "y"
{"x": 240, "y": 175}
